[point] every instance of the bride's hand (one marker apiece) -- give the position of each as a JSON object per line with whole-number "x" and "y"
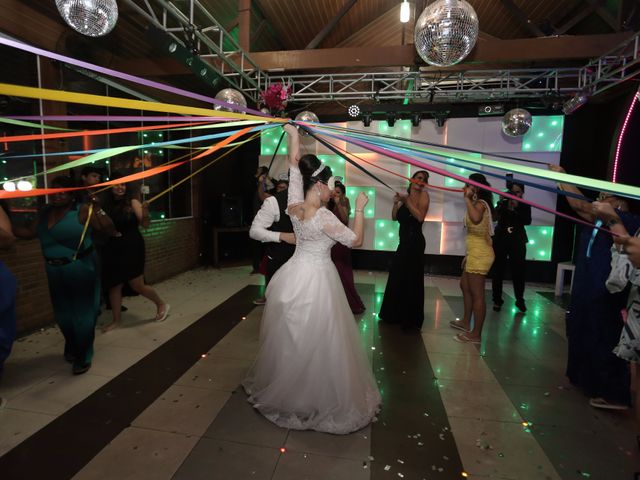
{"x": 288, "y": 238}
{"x": 361, "y": 201}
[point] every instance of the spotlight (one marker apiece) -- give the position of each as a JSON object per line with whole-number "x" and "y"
{"x": 415, "y": 119}
{"x": 440, "y": 118}
{"x": 173, "y": 46}
{"x": 391, "y": 119}
{"x": 574, "y": 103}
{"x": 366, "y": 119}
{"x": 354, "y": 111}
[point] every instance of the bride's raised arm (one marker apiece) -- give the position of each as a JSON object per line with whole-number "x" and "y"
{"x": 296, "y": 191}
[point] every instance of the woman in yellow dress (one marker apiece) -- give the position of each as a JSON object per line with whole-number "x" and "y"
{"x": 478, "y": 261}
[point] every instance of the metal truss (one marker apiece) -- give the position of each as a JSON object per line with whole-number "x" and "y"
{"x": 463, "y": 86}
{"x": 223, "y": 54}
{"x": 189, "y": 18}
{"x": 612, "y": 68}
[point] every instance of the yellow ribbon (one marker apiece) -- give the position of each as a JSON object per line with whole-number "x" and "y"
{"x": 116, "y": 102}
{"x": 84, "y": 231}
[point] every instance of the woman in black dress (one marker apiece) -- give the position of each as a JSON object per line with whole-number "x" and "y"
{"x": 124, "y": 255}
{"x": 403, "y": 300}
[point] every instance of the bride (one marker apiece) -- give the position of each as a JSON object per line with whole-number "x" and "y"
{"x": 311, "y": 371}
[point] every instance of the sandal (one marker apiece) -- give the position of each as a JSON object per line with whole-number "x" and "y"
{"x": 457, "y": 325}
{"x": 602, "y": 403}
{"x": 465, "y": 338}
{"x": 162, "y": 315}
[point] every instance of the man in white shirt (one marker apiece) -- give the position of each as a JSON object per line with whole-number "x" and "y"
{"x": 272, "y": 226}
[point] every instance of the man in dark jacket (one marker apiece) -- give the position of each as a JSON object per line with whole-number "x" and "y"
{"x": 510, "y": 244}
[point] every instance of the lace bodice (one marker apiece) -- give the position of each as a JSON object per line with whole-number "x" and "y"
{"x": 316, "y": 235}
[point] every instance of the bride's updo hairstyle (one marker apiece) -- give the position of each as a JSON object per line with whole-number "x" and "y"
{"x": 309, "y": 164}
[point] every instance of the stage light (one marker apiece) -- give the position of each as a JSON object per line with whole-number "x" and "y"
{"x": 574, "y": 103}
{"x": 354, "y": 111}
{"x": 366, "y": 119}
{"x": 391, "y": 119}
{"x": 415, "y": 119}
{"x": 440, "y": 118}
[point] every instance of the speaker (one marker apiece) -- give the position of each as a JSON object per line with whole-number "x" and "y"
{"x": 491, "y": 109}
{"x": 230, "y": 211}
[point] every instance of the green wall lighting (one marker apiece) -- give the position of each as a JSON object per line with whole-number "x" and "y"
{"x": 370, "y": 209}
{"x": 269, "y": 140}
{"x": 540, "y": 242}
{"x": 337, "y": 165}
{"x": 386, "y": 235}
{"x": 545, "y": 134}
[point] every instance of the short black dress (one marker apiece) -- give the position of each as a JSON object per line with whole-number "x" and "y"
{"x": 123, "y": 257}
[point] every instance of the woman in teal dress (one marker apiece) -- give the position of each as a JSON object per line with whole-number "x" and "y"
{"x": 70, "y": 262}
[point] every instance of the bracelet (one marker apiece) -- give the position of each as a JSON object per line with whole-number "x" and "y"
{"x": 359, "y": 211}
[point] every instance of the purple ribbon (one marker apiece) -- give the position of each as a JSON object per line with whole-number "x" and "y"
{"x": 117, "y": 118}
{"x": 124, "y": 76}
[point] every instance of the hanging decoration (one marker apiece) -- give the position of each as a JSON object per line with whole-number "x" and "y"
{"x": 275, "y": 97}
{"x": 306, "y": 116}
{"x": 94, "y": 18}
{"x": 446, "y": 32}
{"x": 232, "y": 96}
{"x": 516, "y": 122}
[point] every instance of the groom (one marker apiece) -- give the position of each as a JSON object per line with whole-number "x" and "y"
{"x": 272, "y": 226}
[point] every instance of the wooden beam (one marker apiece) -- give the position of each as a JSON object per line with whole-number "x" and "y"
{"x": 322, "y": 34}
{"x": 605, "y": 15}
{"x": 27, "y": 24}
{"x": 495, "y": 52}
{"x": 233, "y": 24}
{"x": 244, "y": 21}
{"x": 522, "y": 17}
{"x": 259, "y": 31}
{"x": 521, "y": 50}
{"x": 584, "y": 13}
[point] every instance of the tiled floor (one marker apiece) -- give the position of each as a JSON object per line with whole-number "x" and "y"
{"x": 503, "y": 410}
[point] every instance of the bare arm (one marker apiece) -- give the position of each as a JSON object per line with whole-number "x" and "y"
{"x": 581, "y": 207}
{"x": 141, "y": 211}
{"x": 293, "y": 144}
{"x": 6, "y": 234}
{"x": 418, "y": 207}
{"x": 99, "y": 220}
{"x": 475, "y": 211}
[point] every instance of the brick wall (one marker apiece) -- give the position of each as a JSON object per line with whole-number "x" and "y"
{"x": 173, "y": 246}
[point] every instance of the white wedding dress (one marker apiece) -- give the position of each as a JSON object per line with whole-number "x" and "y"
{"x": 311, "y": 371}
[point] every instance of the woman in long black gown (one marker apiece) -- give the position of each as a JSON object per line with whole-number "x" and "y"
{"x": 124, "y": 255}
{"x": 403, "y": 300}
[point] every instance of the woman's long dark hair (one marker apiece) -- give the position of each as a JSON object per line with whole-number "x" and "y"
{"x": 483, "y": 194}
{"x": 118, "y": 206}
{"x": 308, "y": 164}
{"x": 426, "y": 174}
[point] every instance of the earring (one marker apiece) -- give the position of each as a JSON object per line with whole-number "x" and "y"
{"x": 475, "y": 197}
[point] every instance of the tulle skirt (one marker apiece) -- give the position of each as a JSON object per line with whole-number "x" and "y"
{"x": 311, "y": 371}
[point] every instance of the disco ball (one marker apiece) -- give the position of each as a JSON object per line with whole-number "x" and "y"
{"x": 229, "y": 95}
{"x": 446, "y": 32}
{"x": 306, "y": 116}
{"x": 93, "y": 18}
{"x": 516, "y": 122}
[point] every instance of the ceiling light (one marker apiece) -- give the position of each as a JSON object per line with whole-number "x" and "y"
{"x": 354, "y": 111}
{"x": 405, "y": 11}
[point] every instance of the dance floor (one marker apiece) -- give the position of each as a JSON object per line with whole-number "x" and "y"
{"x": 162, "y": 400}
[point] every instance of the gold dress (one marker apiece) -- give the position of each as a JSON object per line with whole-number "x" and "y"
{"x": 480, "y": 254}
